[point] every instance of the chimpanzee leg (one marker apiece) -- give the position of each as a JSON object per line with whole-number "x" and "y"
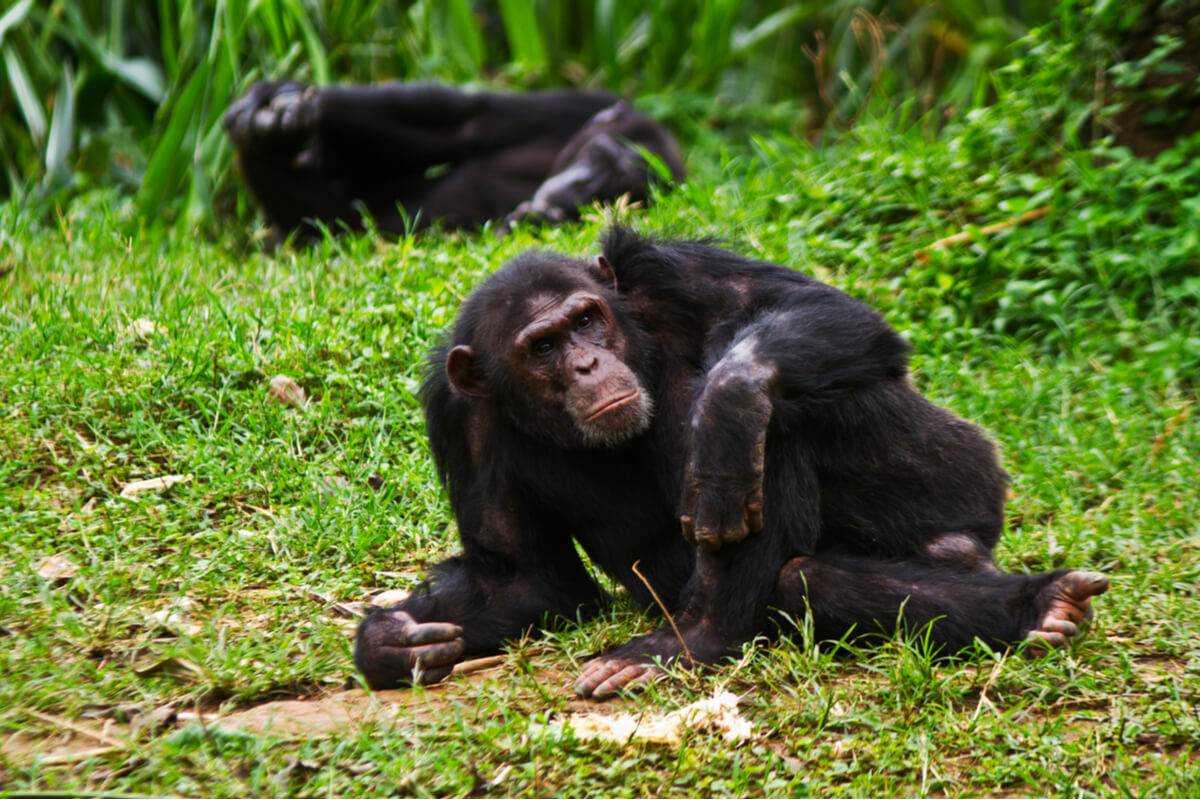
{"x": 959, "y": 549}
{"x": 847, "y": 594}
{"x": 851, "y": 594}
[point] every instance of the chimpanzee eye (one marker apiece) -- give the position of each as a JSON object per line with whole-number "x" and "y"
{"x": 543, "y": 347}
{"x": 583, "y": 321}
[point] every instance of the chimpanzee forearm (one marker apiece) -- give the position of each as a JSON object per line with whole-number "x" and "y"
{"x": 727, "y": 442}
{"x": 493, "y": 605}
{"x": 467, "y": 610}
{"x": 427, "y": 124}
{"x": 782, "y": 363}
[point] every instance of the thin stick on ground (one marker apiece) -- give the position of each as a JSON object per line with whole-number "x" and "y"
{"x": 965, "y": 237}
{"x": 666, "y": 613}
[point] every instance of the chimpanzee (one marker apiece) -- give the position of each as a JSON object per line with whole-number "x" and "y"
{"x": 412, "y": 154}
{"x": 670, "y": 384}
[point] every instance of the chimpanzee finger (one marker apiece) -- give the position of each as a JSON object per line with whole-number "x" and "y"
{"x": 435, "y": 655}
{"x": 597, "y": 672}
{"x": 754, "y": 511}
{"x": 430, "y": 633}
{"x": 1042, "y": 642}
{"x": 688, "y": 526}
{"x": 628, "y": 678}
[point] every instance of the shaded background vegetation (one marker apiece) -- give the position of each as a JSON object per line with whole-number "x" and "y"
{"x": 132, "y": 91}
{"x": 129, "y": 94}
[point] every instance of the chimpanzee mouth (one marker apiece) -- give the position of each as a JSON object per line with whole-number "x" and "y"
{"x": 612, "y": 405}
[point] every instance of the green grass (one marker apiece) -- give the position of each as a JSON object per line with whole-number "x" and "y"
{"x": 1073, "y": 339}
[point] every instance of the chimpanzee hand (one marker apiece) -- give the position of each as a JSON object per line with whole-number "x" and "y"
{"x": 393, "y": 649}
{"x": 275, "y": 113}
{"x": 720, "y": 509}
{"x": 723, "y": 483}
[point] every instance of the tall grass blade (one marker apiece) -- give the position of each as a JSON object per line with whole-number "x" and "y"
{"x": 524, "y": 32}
{"x": 14, "y": 17}
{"x": 164, "y": 170}
{"x": 771, "y": 26}
{"x": 467, "y": 41}
{"x": 26, "y": 96}
{"x": 605, "y": 16}
{"x": 62, "y": 128}
{"x": 312, "y": 42}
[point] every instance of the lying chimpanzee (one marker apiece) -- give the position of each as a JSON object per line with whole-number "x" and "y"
{"x": 413, "y": 154}
{"x": 770, "y": 414}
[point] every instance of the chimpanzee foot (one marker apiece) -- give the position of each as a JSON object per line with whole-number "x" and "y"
{"x": 605, "y": 676}
{"x": 1069, "y": 603}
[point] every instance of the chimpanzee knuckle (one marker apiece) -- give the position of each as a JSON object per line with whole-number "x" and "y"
{"x": 596, "y": 673}
{"x": 432, "y": 632}
{"x": 432, "y": 655}
{"x": 627, "y": 678}
{"x": 708, "y": 539}
{"x": 688, "y": 527}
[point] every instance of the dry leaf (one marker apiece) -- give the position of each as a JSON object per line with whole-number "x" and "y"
{"x": 144, "y": 328}
{"x": 132, "y": 490}
{"x": 479, "y": 664}
{"x": 285, "y": 390}
{"x": 173, "y": 666}
{"x": 173, "y": 621}
{"x": 57, "y": 568}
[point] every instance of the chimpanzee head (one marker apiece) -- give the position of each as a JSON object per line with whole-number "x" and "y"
{"x": 546, "y": 340}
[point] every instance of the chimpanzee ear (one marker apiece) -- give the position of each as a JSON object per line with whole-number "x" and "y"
{"x": 460, "y": 369}
{"x": 603, "y": 271}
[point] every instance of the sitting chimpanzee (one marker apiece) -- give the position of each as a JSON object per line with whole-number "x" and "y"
{"x": 770, "y": 414}
{"x": 412, "y": 154}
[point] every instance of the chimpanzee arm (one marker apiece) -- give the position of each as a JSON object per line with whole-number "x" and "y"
{"x": 518, "y": 566}
{"x": 602, "y": 162}
{"x": 788, "y": 361}
{"x": 311, "y": 153}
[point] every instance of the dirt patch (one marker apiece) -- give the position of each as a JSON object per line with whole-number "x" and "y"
{"x": 55, "y": 741}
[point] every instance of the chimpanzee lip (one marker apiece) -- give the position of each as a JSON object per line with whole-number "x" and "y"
{"x": 612, "y": 405}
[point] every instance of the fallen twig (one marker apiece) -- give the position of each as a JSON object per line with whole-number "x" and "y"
{"x": 477, "y": 664}
{"x": 964, "y": 237}
{"x": 82, "y": 730}
{"x": 687, "y": 652}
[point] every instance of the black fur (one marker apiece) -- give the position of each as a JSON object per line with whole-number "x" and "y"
{"x": 413, "y": 154}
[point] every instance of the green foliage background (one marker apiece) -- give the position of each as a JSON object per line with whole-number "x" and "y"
{"x": 132, "y": 91}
